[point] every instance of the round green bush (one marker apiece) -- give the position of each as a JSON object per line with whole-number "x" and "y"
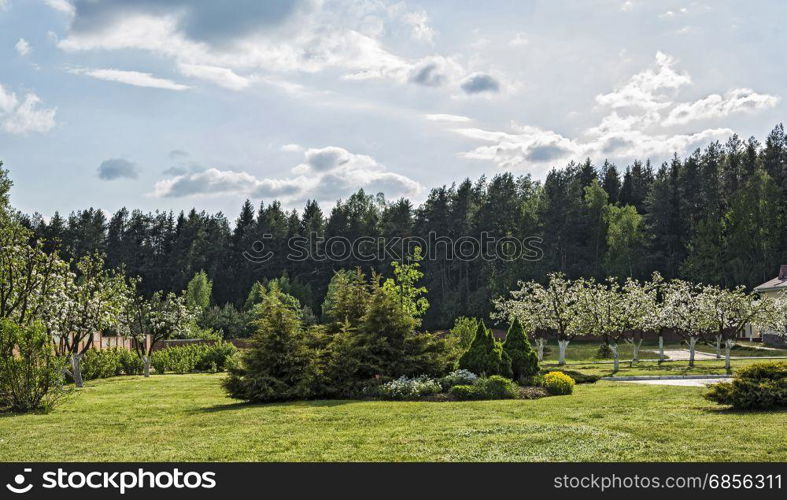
{"x": 464, "y": 392}
{"x": 558, "y": 384}
{"x": 496, "y": 387}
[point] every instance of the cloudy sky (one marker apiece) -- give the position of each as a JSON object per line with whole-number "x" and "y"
{"x": 177, "y": 103}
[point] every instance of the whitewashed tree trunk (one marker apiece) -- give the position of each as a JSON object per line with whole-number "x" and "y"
{"x": 614, "y": 348}
{"x": 146, "y": 364}
{"x": 727, "y": 348}
{"x": 692, "y": 346}
{"x": 76, "y": 369}
{"x": 540, "y": 348}
{"x": 661, "y": 348}
{"x": 562, "y": 344}
{"x": 718, "y": 346}
{"x": 636, "y": 344}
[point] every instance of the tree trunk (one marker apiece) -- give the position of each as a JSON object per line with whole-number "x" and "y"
{"x": 727, "y": 348}
{"x": 636, "y": 344}
{"x": 718, "y": 346}
{"x": 661, "y": 348}
{"x": 614, "y": 348}
{"x": 692, "y": 345}
{"x": 146, "y": 364}
{"x": 76, "y": 369}
{"x": 540, "y": 348}
{"x": 562, "y": 344}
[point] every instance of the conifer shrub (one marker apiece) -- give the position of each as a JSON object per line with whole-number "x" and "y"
{"x": 759, "y": 386}
{"x": 486, "y": 355}
{"x": 277, "y": 367}
{"x": 524, "y": 360}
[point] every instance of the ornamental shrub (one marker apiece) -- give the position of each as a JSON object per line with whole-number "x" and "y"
{"x": 759, "y": 386}
{"x": 405, "y": 388}
{"x": 579, "y": 377}
{"x": 524, "y": 360}
{"x": 494, "y": 387}
{"x": 101, "y": 364}
{"x": 465, "y": 392}
{"x": 458, "y": 377}
{"x": 558, "y": 384}
{"x": 31, "y": 376}
{"x": 130, "y": 363}
{"x": 194, "y": 358}
{"x": 486, "y": 355}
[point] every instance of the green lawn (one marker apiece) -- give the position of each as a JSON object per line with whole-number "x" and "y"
{"x": 188, "y": 418}
{"x": 587, "y": 351}
{"x": 652, "y": 367}
{"x": 584, "y": 350}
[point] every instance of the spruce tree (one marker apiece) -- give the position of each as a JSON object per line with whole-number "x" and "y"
{"x": 486, "y": 355}
{"x": 524, "y": 361}
{"x": 277, "y": 367}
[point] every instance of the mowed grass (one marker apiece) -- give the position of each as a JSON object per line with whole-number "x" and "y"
{"x": 188, "y": 418}
{"x": 584, "y": 350}
{"x": 653, "y": 367}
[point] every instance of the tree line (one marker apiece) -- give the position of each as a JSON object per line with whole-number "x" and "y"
{"x": 715, "y": 216}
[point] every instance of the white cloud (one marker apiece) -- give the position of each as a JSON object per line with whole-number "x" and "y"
{"x": 325, "y": 174}
{"x": 443, "y": 117}
{"x": 717, "y": 106}
{"x": 135, "y": 78}
{"x": 648, "y": 89}
{"x": 639, "y": 123}
{"x": 223, "y": 77}
{"x": 26, "y": 116}
{"x": 318, "y": 38}
{"x": 22, "y": 47}
{"x": 61, "y": 5}
{"x": 519, "y": 40}
{"x": 419, "y": 23}
{"x": 292, "y": 148}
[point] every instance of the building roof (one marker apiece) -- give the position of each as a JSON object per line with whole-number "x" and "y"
{"x": 777, "y": 283}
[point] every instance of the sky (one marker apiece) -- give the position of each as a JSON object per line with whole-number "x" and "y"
{"x": 173, "y": 104}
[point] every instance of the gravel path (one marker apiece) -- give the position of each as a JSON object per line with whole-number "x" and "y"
{"x": 683, "y": 354}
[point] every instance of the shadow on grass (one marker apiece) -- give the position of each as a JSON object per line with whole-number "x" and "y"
{"x": 320, "y": 403}
{"x": 728, "y": 410}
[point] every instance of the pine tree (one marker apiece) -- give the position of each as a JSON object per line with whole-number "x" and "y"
{"x": 486, "y": 355}
{"x": 277, "y": 366}
{"x": 524, "y": 361}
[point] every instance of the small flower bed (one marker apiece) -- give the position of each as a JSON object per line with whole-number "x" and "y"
{"x": 405, "y": 388}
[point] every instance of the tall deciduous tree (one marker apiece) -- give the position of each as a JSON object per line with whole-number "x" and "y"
{"x": 198, "y": 292}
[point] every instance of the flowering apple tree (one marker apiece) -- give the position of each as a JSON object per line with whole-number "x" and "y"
{"x": 160, "y": 317}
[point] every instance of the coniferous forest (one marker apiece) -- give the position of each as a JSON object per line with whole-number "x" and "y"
{"x": 716, "y": 216}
